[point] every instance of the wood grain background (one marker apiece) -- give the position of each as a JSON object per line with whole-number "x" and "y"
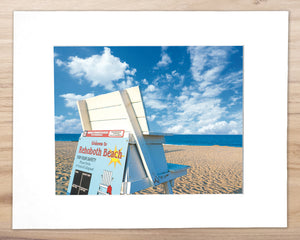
{"x": 6, "y": 117}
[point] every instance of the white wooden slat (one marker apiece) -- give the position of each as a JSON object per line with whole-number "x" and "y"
{"x": 120, "y": 124}
{"x": 139, "y": 109}
{"x": 143, "y": 124}
{"x": 140, "y": 141}
{"x": 84, "y": 115}
{"x": 134, "y": 94}
{"x": 114, "y": 112}
{"x": 105, "y": 100}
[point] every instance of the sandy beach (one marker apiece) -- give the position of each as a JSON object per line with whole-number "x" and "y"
{"x": 214, "y": 169}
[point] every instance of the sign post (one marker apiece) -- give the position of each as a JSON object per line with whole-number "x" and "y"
{"x": 99, "y": 163}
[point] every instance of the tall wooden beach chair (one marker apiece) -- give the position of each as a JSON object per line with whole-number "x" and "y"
{"x": 146, "y": 164}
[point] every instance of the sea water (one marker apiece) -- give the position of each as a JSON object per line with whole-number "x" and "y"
{"x": 181, "y": 139}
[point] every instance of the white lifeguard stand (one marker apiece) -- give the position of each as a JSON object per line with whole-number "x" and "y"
{"x": 146, "y": 164}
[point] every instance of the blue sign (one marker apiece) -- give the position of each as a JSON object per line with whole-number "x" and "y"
{"x": 98, "y": 167}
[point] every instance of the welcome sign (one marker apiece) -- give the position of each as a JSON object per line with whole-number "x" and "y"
{"x": 99, "y": 163}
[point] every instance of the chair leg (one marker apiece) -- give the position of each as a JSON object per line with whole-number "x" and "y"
{"x": 168, "y": 187}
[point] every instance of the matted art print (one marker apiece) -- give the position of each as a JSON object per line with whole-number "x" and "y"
{"x": 151, "y": 119}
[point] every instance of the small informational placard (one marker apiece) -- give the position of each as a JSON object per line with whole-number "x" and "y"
{"x": 105, "y": 133}
{"x": 99, "y": 163}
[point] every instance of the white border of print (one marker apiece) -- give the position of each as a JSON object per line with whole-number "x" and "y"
{"x": 264, "y": 36}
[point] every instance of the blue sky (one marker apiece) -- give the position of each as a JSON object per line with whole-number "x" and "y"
{"x": 186, "y": 90}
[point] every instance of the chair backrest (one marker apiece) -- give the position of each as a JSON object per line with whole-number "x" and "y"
{"x": 106, "y": 112}
{"x": 124, "y": 110}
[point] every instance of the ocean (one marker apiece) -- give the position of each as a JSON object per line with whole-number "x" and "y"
{"x": 193, "y": 140}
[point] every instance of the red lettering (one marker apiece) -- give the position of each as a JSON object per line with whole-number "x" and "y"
{"x": 105, "y": 152}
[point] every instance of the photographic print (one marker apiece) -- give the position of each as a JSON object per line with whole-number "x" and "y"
{"x": 148, "y": 120}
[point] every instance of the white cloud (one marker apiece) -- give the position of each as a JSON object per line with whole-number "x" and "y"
{"x": 175, "y": 129}
{"x": 234, "y": 78}
{"x": 100, "y": 70}
{"x": 144, "y": 81}
{"x": 59, "y": 118}
{"x": 207, "y": 62}
{"x": 151, "y": 118}
{"x": 169, "y": 77}
{"x": 175, "y": 73}
{"x": 165, "y": 59}
{"x": 234, "y": 100}
{"x": 154, "y": 98}
{"x": 150, "y": 88}
{"x": 182, "y": 98}
{"x": 213, "y": 91}
{"x": 155, "y": 103}
{"x": 59, "y": 62}
{"x": 237, "y": 116}
{"x": 199, "y": 106}
{"x": 71, "y": 99}
{"x": 211, "y": 74}
{"x": 221, "y": 127}
{"x": 126, "y": 83}
{"x": 63, "y": 125}
{"x": 192, "y": 112}
{"x": 130, "y": 72}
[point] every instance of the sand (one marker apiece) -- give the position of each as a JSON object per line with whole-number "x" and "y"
{"x": 214, "y": 169}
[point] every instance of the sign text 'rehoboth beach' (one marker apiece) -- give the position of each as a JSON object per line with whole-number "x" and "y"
{"x": 101, "y": 152}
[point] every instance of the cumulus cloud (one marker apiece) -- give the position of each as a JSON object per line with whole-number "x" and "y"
{"x": 145, "y": 82}
{"x": 130, "y": 72}
{"x": 100, "y": 70}
{"x": 175, "y": 129}
{"x": 63, "y": 125}
{"x": 154, "y": 98}
{"x": 150, "y": 88}
{"x": 126, "y": 83}
{"x": 59, "y": 62}
{"x": 71, "y": 99}
{"x": 165, "y": 59}
{"x": 221, "y": 127}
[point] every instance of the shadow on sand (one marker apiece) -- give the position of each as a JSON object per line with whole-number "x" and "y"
{"x": 175, "y": 150}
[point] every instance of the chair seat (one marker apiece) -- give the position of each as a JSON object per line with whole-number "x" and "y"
{"x": 172, "y": 167}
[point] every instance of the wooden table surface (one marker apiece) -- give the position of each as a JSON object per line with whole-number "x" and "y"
{"x": 6, "y": 103}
